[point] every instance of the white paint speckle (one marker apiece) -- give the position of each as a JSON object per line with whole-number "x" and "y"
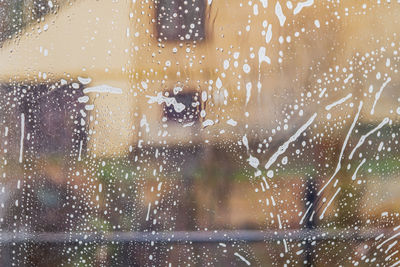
{"x": 279, "y": 14}
{"x": 246, "y": 68}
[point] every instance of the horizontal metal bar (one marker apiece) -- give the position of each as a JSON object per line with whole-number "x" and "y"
{"x": 191, "y": 236}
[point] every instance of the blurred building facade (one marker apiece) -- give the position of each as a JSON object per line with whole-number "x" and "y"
{"x": 142, "y": 58}
{"x": 106, "y": 79}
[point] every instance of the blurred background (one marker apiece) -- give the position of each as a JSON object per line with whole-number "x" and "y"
{"x": 199, "y": 133}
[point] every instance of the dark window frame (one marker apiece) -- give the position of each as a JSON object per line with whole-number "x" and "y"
{"x": 182, "y": 22}
{"x": 190, "y": 113}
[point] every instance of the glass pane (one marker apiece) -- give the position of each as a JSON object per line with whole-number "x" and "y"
{"x": 199, "y": 133}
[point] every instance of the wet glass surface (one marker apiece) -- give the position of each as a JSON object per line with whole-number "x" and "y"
{"x": 199, "y": 133}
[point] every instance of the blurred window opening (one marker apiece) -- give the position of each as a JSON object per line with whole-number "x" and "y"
{"x": 191, "y": 112}
{"x": 54, "y": 118}
{"x": 179, "y": 20}
{"x": 17, "y": 14}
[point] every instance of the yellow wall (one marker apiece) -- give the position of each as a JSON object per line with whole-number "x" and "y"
{"x": 113, "y": 43}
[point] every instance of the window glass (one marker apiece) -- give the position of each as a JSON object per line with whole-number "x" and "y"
{"x": 179, "y": 20}
{"x": 199, "y": 133}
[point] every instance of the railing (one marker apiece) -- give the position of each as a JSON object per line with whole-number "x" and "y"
{"x": 216, "y": 236}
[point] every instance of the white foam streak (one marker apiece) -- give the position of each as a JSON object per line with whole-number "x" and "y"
{"x": 340, "y": 101}
{"x": 21, "y": 148}
{"x": 329, "y": 203}
{"x": 387, "y": 240}
{"x": 103, "y": 89}
{"x": 279, "y": 14}
{"x": 293, "y": 138}
{"x": 301, "y": 5}
{"x": 378, "y": 94}
{"x": 148, "y": 212}
{"x": 242, "y": 258}
{"x": 178, "y": 107}
{"x": 339, "y": 165}
{"x": 305, "y": 214}
{"x": 358, "y": 167}
{"x": 365, "y": 136}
